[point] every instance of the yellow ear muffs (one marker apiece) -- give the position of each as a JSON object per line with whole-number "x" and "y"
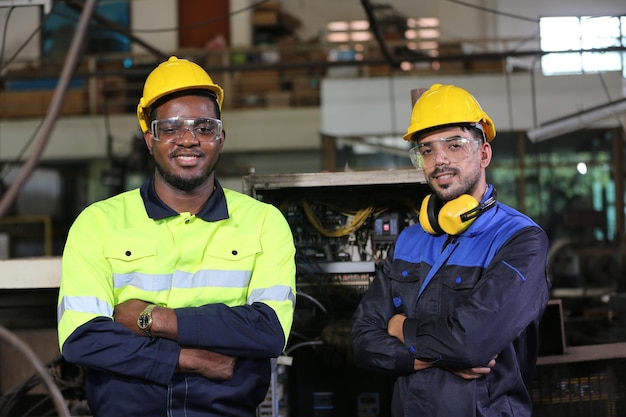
{"x": 428, "y": 215}
{"x": 451, "y": 218}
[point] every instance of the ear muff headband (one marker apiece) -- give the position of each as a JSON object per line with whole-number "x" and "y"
{"x": 453, "y": 217}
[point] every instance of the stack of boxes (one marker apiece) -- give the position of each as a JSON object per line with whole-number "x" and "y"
{"x": 288, "y": 79}
{"x": 32, "y": 97}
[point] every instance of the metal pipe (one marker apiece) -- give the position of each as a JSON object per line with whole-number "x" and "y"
{"x": 577, "y": 121}
{"x": 55, "y": 106}
{"x": 55, "y": 393}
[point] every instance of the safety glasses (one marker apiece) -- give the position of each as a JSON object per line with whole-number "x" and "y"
{"x": 172, "y": 129}
{"x": 454, "y": 149}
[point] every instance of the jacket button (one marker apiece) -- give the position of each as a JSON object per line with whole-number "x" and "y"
{"x": 234, "y": 252}
{"x": 127, "y": 253}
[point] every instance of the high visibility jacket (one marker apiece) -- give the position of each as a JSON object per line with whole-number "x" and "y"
{"x": 467, "y": 299}
{"x": 229, "y": 271}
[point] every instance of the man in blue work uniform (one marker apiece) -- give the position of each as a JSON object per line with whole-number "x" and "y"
{"x": 175, "y": 296}
{"x": 454, "y": 311}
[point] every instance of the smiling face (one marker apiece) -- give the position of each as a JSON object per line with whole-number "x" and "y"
{"x": 450, "y": 180}
{"x": 185, "y": 165}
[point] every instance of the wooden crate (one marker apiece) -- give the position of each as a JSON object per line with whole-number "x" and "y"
{"x": 278, "y": 99}
{"x": 36, "y": 103}
{"x": 258, "y": 81}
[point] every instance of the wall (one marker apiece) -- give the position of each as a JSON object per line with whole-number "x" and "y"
{"x": 381, "y": 106}
{"x": 85, "y": 137}
{"x": 149, "y": 15}
{"x": 21, "y": 24}
{"x": 500, "y": 18}
{"x": 349, "y": 107}
{"x": 146, "y": 16}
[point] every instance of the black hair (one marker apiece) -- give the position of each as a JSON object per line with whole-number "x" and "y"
{"x": 192, "y": 92}
{"x": 476, "y": 132}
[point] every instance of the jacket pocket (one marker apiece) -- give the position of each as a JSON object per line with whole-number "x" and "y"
{"x": 405, "y": 284}
{"x": 122, "y": 249}
{"x": 456, "y": 287}
{"x": 235, "y": 250}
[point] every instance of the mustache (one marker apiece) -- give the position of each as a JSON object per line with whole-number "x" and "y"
{"x": 174, "y": 154}
{"x": 443, "y": 170}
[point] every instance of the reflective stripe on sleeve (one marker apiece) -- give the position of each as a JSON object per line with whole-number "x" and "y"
{"x": 84, "y": 304}
{"x": 276, "y": 293}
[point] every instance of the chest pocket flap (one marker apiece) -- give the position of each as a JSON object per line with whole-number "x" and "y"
{"x": 129, "y": 248}
{"x": 234, "y": 246}
{"x": 460, "y": 282}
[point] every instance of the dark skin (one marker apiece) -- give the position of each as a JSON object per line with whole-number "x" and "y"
{"x": 184, "y": 181}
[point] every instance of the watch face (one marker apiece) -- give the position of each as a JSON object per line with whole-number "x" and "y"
{"x": 143, "y": 321}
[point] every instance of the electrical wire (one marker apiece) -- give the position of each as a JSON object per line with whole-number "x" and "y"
{"x": 486, "y": 9}
{"x": 53, "y": 390}
{"x": 7, "y": 199}
{"x": 3, "y": 65}
{"x": 303, "y": 344}
{"x": 608, "y": 96}
{"x": 72, "y": 386}
{"x": 4, "y": 32}
{"x": 314, "y": 300}
{"x": 20, "y": 48}
{"x": 356, "y": 222}
{"x": 375, "y": 28}
{"x": 511, "y": 15}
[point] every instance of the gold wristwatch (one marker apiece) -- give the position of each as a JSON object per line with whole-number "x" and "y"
{"x": 144, "y": 321}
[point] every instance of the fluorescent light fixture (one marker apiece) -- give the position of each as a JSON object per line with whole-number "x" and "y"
{"x": 577, "y": 121}
{"x": 47, "y": 4}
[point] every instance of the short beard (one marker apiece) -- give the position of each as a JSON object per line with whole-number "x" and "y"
{"x": 468, "y": 184}
{"x": 185, "y": 184}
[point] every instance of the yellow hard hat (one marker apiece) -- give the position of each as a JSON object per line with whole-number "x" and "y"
{"x": 442, "y": 105}
{"x": 169, "y": 77}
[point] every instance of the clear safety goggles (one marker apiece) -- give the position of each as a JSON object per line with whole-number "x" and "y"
{"x": 454, "y": 149}
{"x": 174, "y": 128}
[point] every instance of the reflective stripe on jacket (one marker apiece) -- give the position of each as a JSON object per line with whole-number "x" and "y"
{"x": 229, "y": 272}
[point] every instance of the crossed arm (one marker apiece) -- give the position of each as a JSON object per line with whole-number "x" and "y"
{"x": 209, "y": 364}
{"x": 395, "y": 329}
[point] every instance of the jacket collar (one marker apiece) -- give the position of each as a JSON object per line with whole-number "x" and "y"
{"x": 214, "y": 210}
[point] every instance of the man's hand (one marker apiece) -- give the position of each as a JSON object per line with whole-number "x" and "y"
{"x": 127, "y": 313}
{"x": 395, "y": 325}
{"x": 475, "y": 373}
{"x": 164, "y": 322}
{"x": 209, "y": 364}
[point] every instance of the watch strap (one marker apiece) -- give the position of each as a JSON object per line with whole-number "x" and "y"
{"x": 144, "y": 321}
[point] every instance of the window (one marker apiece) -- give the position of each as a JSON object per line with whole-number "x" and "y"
{"x": 407, "y": 37}
{"x": 588, "y": 38}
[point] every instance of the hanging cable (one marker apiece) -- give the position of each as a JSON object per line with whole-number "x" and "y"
{"x": 3, "y": 65}
{"x": 369, "y": 11}
{"x": 486, "y": 9}
{"x": 53, "y": 390}
{"x": 358, "y": 219}
{"x": 55, "y": 106}
{"x": 4, "y": 34}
